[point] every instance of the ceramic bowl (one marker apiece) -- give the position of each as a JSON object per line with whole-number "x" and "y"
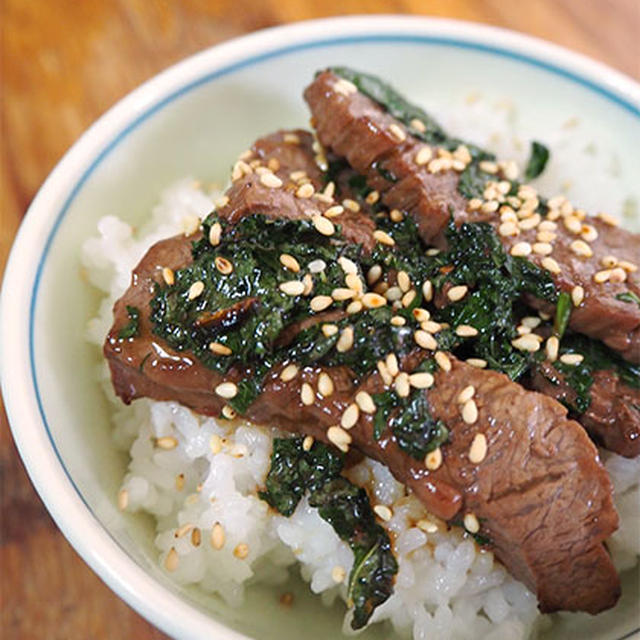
{"x": 194, "y": 119}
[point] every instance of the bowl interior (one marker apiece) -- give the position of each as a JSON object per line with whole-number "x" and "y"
{"x": 199, "y": 132}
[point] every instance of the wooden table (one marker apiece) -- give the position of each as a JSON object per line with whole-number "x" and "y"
{"x": 64, "y": 63}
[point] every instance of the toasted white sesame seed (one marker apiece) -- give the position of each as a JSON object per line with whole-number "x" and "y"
{"x": 348, "y": 266}
{"x": 508, "y": 228}
{"x": 373, "y": 275}
{"x": 531, "y": 321}
{"x": 589, "y": 233}
{"x": 306, "y": 394}
{"x": 323, "y": 225}
{"x": 427, "y": 290}
{"x": 168, "y": 276}
{"x": 227, "y": 390}
{"x": 190, "y": 224}
{"x": 372, "y": 197}
{"x": 401, "y": 384}
{"x": 241, "y": 551}
{"x": 338, "y": 574}
{"x": 305, "y": 190}
{"x": 397, "y": 132}
{"x": 542, "y": 248}
{"x": 353, "y": 282}
{"x": 350, "y": 204}
{"x": 325, "y": 384}
{"x": 296, "y": 176}
{"x": 430, "y": 326}
{"x": 383, "y": 238}
{"x": 317, "y": 266}
{"x": 443, "y": 360}
{"x": 307, "y": 443}
{"x": 478, "y": 450}
{"x": 217, "y": 536}
{"x": 365, "y": 402}
{"x": 392, "y": 364}
{"x": 609, "y": 219}
{"x": 320, "y": 303}
{"x": 373, "y": 300}
{"x": 195, "y": 290}
{"x": 433, "y": 459}
{"x": 342, "y": 293}
{"x": 219, "y": 349}
{"x": 392, "y": 294}
{"x": 573, "y": 224}
{"x": 270, "y": 180}
{"x": 398, "y": 321}
{"x": 602, "y": 276}
{"x": 354, "y": 307}
{"x": 425, "y": 340}
{"x": 571, "y": 358}
{"x": 471, "y": 523}
{"x": 577, "y": 295}
{"x": 334, "y": 211}
{"x": 345, "y": 87}
{"x": 408, "y": 298}
{"x": 215, "y": 233}
{"x": 172, "y": 560}
{"x": 123, "y": 499}
{"x": 424, "y": 524}
{"x": 466, "y": 331}
{"x": 618, "y": 274}
{"x": 291, "y": 138}
{"x": 339, "y": 437}
{"x": 491, "y": 206}
{"x": 551, "y": 348}
{"x": 215, "y": 444}
{"x": 289, "y": 373}
{"x": 421, "y": 315}
{"x": 418, "y": 125}
{"x": 550, "y": 265}
{"x": 383, "y": 512}
{"x": 545, "y": 236}
{"x": 530, "y": 222}
{"x": 404, "y": 282}
{"x": 469, "y": 411}
{"x": 628, "y": 266}
{"x": 523, "y": 330}
{"x": 474, "y": 204}
{"x": 457, "y": 293}
{"x": 423, "y": 156}
{"x": 521, "y": 249}
{"x": 292, "y": 287}
{"x": 421, "y": 380}
{"x": 345, "y": 341}
{"x": 350, "y": 416}
{"x": 329, "y": 330}
{"x": 387, "y": 378}
{"x": 466, "y": 394}
{"x": 223, "y": 265}
{"x": 526, "y": 343}
{"x": 289, "y": 262}
{"x": 488, "y": 166}
{"x": 581, "y": 248}
{"x": 478, "y": 363}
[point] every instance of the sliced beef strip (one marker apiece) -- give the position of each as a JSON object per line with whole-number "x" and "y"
{"x": 541, "y": 494}
{"x": 356, "y": 128}
{"x": 613, "y": 417}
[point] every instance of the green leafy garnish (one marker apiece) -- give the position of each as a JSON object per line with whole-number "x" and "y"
{"x": 345, "y": 507}
{"x": 628, "y": 296}
{"x": 538, "y": 159}
{"x": 563, "y": 313}
{"x": 130, "y": 330}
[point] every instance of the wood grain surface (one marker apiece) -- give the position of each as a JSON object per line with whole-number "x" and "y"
{"x": 64, "y": 62}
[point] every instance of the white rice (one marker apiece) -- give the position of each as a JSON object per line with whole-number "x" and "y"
{"x": 446, "y": 588}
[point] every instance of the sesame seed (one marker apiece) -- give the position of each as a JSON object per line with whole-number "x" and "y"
{"x": 521, "y": 249}
{"x": 577, "y": 295}
{"x": 296, "y": 176}
{"x": 427, "y": 290}
{"x": 393, "y": 294}
{"x": 317, "y": 266}
{"x": 432, "y": 252}
{"x": 215, "y": 233}
{"x": 491, "y": 206}
{"x": 325, "y": 384}
{"x": 609, "y": 262}
{"x": 401, "y": 385}
{"x": 289, "y": 262}
{"x": 354, "y": 307}
{"x": 488, "y": 167}
{"x": 542, "y": 248}
{"x": 392, "y": 364}
{"x": 292, "y": 287}
{"x": 424, "y": 524}
{"x": 408, "y": 298}
{"x": 508, "y": 228}
{"x": 396, "y": 215}
{"x": 172, "y": 560}
{"x": 478, "y": 450}
{"x": 289, "y": 373}
{"x": 397, "y": 132}
{"x": 190, "y": 224}
{"x": 551, "y": 348}
{"x": 550, "y": 265}
{"x": 365, "y": 402}
{"x": 383, "y": 238}
{"x": 179, "y": 482}
{"x": 526, "y": 343}
{"x": 345, "y": 87}
{"x": 373, "y": 300}
{"x": 348, "y": 266}
{"x": 353, "y": 282}
{"x": 609, "y": 219}
{"x": 602, "y": 276}
{"x": 291, "y": 138}
{"x": 457, "y": 293}
{"x": 383, "y": 512}
{"x": 425, "y": 340}
{"x": 398, "y": 321}
{"x": 430, "y": 326}
{"x": 523, "y": 330}
{"x": 342, "y": 293}
{"x": 307, "y": 443}
{"x": 421, "y": 380}
{"x": 573, "y": 224}
{"x": 581, "y": 248}
{"x": 339, "y": 437}
{"x": 168, "y": 276}
{"x": 466, "y": 394}
{"x": 466, "y": 331}
{"x": 167, "y": 442}
{"x": 421, "y": 315}
{"x": 433, "y": 459}
{"x": 320, "y": 303}
{"x": 443, "y": 361}
{"x": 215, "y": 444}
{"x": 530, "y": 222}
{"x": 338, "y": 574}
{"x": 123, "y": 499}
{"x": 334, "y": 211}
{"x": 323, "y": 225}
{"x": 373, "y": 275}
{"x": 270, "y": 180}
{"x": 589, "y": 233}
{"x": 571, "y": 358}
{"x": 404, "y": 282}
{"x": 219, "y": 349}
{"x": 423, "y": 156}
{"x": 196, "y": 537}
{"x": 545, "y": 236}
{"x": 478, "y": 363}
{"x": 471, "y": 523}
{"x": 350, "y": 204}
{"x": 628, "y": 266}
{"x": 618, "y": 274}
{"x": 469, "y": 411}
{"x": 228, "y": 412}
{"x": 240, "y": 168}
{"x": 195, "y": 290}
{"x": 345, "y": 341}
{"x": 418, "y": 125}
{"x": 474, "y": 204}
{"x": 305, "y": 191}
{"x": 350, "y": 416}
{"x": 531, "y": 321}
{"x": 307, "y": 395}
{"x": 227, "y": 390}
{"x": 217, "y": 536}
{"x": 273, "y": 164}
{"x": 241, "y": 551}
{"x": 223, "y": 265}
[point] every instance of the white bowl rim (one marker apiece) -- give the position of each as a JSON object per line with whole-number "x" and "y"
{"x": 20, "y": 287}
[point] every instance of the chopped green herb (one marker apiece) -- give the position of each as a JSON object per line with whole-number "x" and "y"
{"x": 538, "y": 159}
{"x": 563, "y": 313}
{"x": 130, "y": 330}
{"x": 629, "y": 296}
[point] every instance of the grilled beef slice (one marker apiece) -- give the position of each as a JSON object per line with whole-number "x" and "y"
{"x": 355, "y": 127}
{"x": 540, "y": 495}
